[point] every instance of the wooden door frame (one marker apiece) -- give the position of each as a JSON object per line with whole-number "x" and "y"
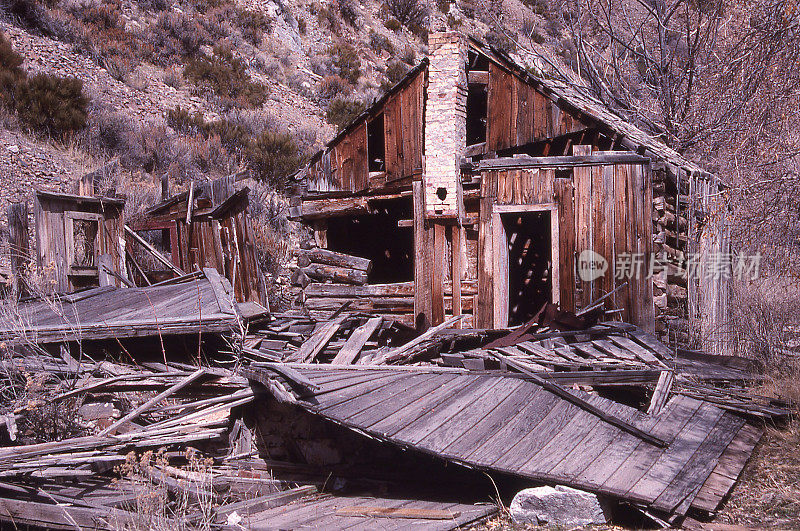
{"x": 500, "y": 285}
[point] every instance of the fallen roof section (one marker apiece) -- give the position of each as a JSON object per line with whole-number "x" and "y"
{"x": 513, "y": 425}
{"x": 195, "y": 303}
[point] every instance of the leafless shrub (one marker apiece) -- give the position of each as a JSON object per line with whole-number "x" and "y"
{"x": 348, "y": 11}
{"x": 176, "y": 35}
{"x": 380, "y": 43}
{"x": 174, "y": 77}
{"x": 332, "y": 87}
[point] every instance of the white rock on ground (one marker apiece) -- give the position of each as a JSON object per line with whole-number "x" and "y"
{"x": 560, "y": 505}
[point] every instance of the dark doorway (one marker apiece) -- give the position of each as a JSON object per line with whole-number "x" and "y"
{"x": 377, "y": 237}
{"x": 376, "y": 144}
{"x": 530, "y": 263}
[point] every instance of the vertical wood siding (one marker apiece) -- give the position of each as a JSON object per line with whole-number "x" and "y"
{"x": 606, "y": 209}
{"x": 518, "y": 114}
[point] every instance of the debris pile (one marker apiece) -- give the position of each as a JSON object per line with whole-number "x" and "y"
{"x": 177, "y": 404}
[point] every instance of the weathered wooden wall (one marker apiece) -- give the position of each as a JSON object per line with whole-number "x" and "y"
{"x": 605, "y": 208}
{"x": 218, "y": 234}
{"x": 519, "y": 114}
{"x": 344, "y": 166}
{"x": 53, "y": 213}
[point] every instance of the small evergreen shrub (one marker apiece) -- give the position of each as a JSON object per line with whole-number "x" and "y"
{"x": 52, "y": 104}
{"x": 272, "y": 157}
{"x": 346, "y": 61}
{"x": 227, "y": 77}
{"x": 342, "y": 111}
{"x": 392, "y": 24}
{"x": 409, "y": 13}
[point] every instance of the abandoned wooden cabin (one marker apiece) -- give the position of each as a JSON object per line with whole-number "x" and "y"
{"x": 524, "y": 189}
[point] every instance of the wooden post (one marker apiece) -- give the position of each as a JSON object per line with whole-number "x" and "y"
{"x": 105, "y": 265}
{"x": 164, "y": 187}
{"x": 423, "y": 261}
{"x": 455, "y": 243}
{"x": 19, "y": 245}
{"x": 166, "y": 235}
{"x": 437, "y": 278}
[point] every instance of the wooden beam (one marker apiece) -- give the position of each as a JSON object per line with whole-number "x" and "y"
{"x": 606, "y": 158}
{"x": 352, "y": 348}
{"x": 19, "y": 245}
{"x": 439, "y": 268}
{"x": 580, "y": 402}
{"x": 153, "y": 401}
{"x": 478, "y": 77}
{"x": 152, "y": 250}
{"x": 456, "y": 232}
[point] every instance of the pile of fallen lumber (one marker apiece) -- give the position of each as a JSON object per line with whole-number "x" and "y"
{"x": 320, "y": 265}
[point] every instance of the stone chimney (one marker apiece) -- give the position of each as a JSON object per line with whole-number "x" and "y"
{"x": 445, "y": 125}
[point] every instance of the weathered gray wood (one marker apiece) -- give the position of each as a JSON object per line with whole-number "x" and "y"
{"x": 222, "y": 293}
{"x": 19, "y": 245}
{"x": 583, "y": 404}
{"x": 324, "y": 256}
{"x": 153, "y": 251}
{"x": 352, "y": 348}
{"x": 309, "y": 350}
{"x": 335, "y": 274}
{"x": 153, "y": 401}
{"x": 607, "y": 158}
{"x": 661, "y": 392}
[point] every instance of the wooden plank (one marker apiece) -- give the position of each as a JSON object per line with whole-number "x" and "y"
{"x": 152, "y": 402}
{"x": 352, "y": 348}
{"x": 438, "y": 427}
{"x": 670, "y": 463}
{"x": 643, "y": 456}
{"x": 645, "y": 214}
{"x": 438, "y": 273}
{"x": 152, "y": 250}
{"x": 457, "y": 233}
{"x": 391, "y": 512}
{"x": 19, "y": 245}
{"x": 639, "y": 351}
{"x": 498, "y": 126}
{"x": 222, "y": 293}
{"x": 423, "y": 261}
{"x": 309, "y": 350}
{"x": 583, "y": 404}
{"x": 385, "y": 404}
{"x": 583, "y": 222}
{"x": 409, "y": 411}
{"x": 661, "y": 392}
{"x": 392, "y": 131}
{"x": 647, "y": 340}
{"x": 501, "y": 412}
{"x": 566, "y": 162}
{"x": 324, "y": 256}
{"x": 692, "y": 475}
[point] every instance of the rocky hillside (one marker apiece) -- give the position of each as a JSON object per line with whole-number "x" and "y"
{"x": 199, "y": 89}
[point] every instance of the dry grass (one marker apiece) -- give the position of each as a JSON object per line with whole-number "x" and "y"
{"x": 768, "y": 492}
